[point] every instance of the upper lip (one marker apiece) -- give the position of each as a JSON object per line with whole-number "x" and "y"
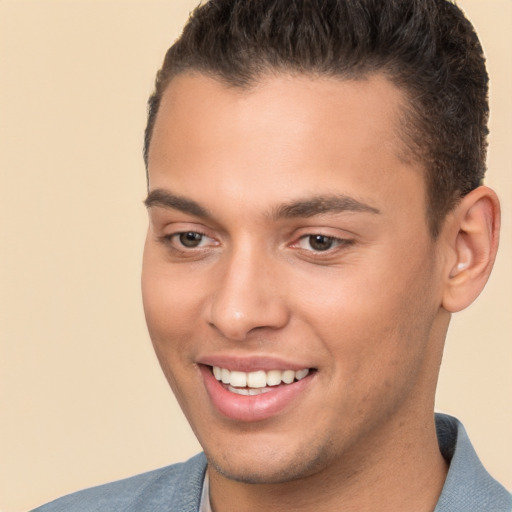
{"x": 252, "y": 363}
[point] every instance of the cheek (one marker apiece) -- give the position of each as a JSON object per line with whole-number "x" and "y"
{"x": 373, "y": 321}
{"x": 170, "y": 299}
{"x": 169, "y": 317}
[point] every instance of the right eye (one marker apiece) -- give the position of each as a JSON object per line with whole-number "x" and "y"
{"x": 188, "y": 240}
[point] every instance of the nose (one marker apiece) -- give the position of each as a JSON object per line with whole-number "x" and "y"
{"x": 247, "y": 297}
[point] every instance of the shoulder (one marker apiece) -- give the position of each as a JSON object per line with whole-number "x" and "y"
{"x": 468, "y": 486}
{"x": 178, "y": 486}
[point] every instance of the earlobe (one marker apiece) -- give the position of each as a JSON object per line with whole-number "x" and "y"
{"x": 472, "y": 232}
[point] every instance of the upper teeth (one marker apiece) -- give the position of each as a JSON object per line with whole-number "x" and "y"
{"x": 258, "y": 379}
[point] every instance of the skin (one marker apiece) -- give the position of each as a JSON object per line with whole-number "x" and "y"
{"x": 244, "y": 168}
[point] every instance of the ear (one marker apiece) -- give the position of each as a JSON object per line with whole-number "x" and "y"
{"x": 471, "y": 232}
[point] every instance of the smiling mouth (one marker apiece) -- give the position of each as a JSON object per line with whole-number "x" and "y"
{"x": 257, "y": 382}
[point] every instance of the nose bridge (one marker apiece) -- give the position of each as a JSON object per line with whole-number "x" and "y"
{"x": 247, "y": 294}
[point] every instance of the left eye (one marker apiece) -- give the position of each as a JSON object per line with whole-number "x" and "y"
{"x": 191, "y": 239}
{"x": 318, "y": 243}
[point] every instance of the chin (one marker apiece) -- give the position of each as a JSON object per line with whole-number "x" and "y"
{"x": 270, "y": 466}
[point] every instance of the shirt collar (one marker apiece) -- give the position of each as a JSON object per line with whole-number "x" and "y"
{"x": 205, "y": 505}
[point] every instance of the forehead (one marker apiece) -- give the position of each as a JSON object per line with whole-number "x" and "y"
{"x": 294, "y": 98}
{"x": 286, "y": 132}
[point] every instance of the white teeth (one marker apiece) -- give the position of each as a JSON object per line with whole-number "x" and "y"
{"x": 239, "y": 391}
{"x": 248, "y": 391}
{"x": 288, "y": 376}
{"x": 253, "y": 383}
{"x": 225, "y": 376}
{"x": 301, "y": 374}
{"x": 256, "y": 379}
{"x": 274, "y": 377}
{"x": 238, "y": 379}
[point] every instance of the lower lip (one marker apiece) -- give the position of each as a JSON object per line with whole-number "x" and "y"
{"x": 251, "y": 408}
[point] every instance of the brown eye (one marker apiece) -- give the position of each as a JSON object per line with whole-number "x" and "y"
{"x": 320, "y": 242}
{"x": 190, "y": 239}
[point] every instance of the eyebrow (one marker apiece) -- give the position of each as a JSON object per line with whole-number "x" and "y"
{"x": 319, "y": 205}
{"x": 165, "y": 199}
{"x": 308, "y": 207}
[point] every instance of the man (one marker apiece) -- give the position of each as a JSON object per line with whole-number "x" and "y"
{"x": 316, "y": 215}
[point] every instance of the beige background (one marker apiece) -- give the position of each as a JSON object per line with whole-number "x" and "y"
{"x": 82, "y": 400}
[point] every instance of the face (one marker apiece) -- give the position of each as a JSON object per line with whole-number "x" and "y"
{"x": 289, "y": 278}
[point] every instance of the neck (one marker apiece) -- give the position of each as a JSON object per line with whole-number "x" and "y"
{"x": 399, "y": 473}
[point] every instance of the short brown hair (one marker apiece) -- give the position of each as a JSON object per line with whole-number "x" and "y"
{"x": 425, "y": 47}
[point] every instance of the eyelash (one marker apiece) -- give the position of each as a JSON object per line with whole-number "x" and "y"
{"x": 175, "y": 242}
{"x": 339, "y": 243}
{"x": 178, "y": 246}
